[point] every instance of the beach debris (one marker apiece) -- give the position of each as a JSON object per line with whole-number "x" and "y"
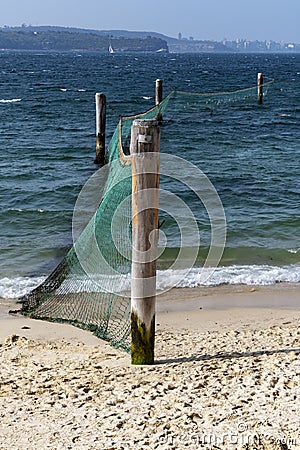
{"x": 12, "y": 339}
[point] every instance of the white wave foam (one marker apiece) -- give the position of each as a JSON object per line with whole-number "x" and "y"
{"x": 16, "y": 287}
{"x": 166, "y": 279}
{"x": 26, "y": 210}
{"x": 249, "y": 275}
{"x": 294, "y": 250}
{"x": 12, "y": 100}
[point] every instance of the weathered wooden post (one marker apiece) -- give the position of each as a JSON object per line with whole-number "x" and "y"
{"x": 260, "y": 82}
{"x": 158, "y": 99}
{"x": 158, "y": 91}
{"x": 100, "y": 128}
{"x": 144, "y": 149}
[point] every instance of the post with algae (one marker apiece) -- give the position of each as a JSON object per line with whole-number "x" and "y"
{"x": 144, "y": 150}
{"x": 100, "y": 128}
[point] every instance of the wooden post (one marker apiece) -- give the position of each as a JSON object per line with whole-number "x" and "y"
{"x": 144, "y": 149}
{"x": 260, "y": 88}
{"x": 158, "y": 91}
{"x": 100, "y": 128}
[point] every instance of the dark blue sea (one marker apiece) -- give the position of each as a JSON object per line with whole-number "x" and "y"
{"x": 249, "y": 152}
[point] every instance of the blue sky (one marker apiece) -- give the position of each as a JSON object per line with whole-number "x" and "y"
{"x": 203, "y": 19}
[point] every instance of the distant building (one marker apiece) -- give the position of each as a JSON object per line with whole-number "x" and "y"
{"x": 179, "y": 36}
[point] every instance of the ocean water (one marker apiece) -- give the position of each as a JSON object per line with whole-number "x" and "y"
{"x": 250, "y": 153}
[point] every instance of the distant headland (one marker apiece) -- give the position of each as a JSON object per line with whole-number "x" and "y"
{"x": 27, "y": 37}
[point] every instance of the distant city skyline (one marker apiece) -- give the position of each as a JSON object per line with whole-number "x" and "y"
{"x": 216, "y": 20}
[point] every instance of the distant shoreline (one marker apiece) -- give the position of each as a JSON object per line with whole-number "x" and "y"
{"x": 54, "y": 38}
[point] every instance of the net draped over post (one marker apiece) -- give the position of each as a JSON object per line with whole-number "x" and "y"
{"x": 90, "y": 288}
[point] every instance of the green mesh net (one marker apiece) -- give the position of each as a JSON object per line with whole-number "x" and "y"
{"x": 90, "y": 288}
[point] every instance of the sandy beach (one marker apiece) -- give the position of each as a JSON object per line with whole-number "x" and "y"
{"x": 226, "y": 376}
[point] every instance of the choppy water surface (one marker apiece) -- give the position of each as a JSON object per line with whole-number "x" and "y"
{"x": 250, "y": 153}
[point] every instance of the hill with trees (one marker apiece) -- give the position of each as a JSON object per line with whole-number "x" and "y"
{"x": 35, "y": 38}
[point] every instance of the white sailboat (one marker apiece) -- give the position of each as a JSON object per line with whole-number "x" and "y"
{"x": 110, "y": 49}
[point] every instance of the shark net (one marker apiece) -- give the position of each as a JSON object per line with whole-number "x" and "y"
{"x": 90, "y": 288}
